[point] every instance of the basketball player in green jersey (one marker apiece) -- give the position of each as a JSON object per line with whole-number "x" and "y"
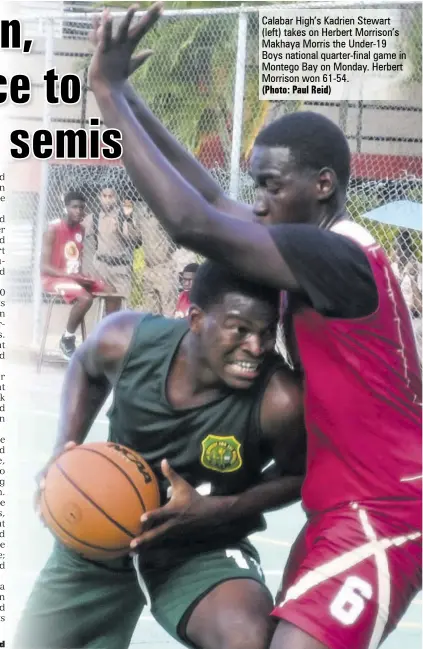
{"x": 209, "y": 395}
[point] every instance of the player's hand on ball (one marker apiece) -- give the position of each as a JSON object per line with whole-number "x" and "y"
{"x": 113, "y": 59}
{"x": 187, "y": 511}
{"x": 41, "y": 476}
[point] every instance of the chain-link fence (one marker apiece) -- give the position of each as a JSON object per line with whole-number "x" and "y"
{"x": 202, "y": 83}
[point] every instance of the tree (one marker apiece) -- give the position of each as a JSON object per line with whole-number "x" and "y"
{"x": 189, "y": 83}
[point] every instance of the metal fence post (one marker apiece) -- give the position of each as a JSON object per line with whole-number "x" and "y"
{"x": 42, "y": 202}
{"x": 238, "y": 103}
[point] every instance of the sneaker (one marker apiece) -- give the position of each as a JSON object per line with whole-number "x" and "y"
{"x": 67, "y": 346}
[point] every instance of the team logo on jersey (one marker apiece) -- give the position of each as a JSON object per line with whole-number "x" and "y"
{"x": 78, "y": 237}
{"x": 71, "y": 251}
{"x": 222, "y": 454}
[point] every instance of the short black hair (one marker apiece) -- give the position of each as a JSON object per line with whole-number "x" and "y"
{"x": 191, "y": 268}
{"x": 73, "y": 196}
{"x": 314, "y": 141}
{"x": 213, "y": 281}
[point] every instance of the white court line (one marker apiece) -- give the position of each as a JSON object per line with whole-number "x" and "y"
{"x": 265, "y": 539}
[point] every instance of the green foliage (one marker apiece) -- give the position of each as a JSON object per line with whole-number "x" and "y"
{"x": 189, "y": 82}
{"x": 415, "y": 194}
{"x": 138, "y": 270}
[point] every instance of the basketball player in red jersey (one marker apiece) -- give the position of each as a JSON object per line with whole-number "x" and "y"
{"x": 357, "y": 564}
{"x": 61, "y": 262}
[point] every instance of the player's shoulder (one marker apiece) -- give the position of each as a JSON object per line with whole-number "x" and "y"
{"x": 112, "y": 338}
{"x": 122, "y": 321}
{"x": 355, "y": 232}
{"x": 55, "y": 225}
{"x": 155, "y": 331}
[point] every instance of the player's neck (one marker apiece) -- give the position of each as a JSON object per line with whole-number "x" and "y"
{"x": 70, "y": 224}
{"x": 331, "y": 215}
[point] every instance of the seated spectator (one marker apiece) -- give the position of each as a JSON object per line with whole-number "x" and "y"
{"x": 183, "y": 304}
{"x": 61, "y": 262}
{"x": 116, "y": 236}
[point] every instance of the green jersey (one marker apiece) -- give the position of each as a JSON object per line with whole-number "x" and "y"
{"x": 218, "y": 443}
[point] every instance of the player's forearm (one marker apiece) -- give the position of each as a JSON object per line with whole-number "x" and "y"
{"x": 177, "y": 205}
{"x": 51, "y": 271}
{"x": 81, "y": 400}
{"x": 174, "y": 152}
{"x": 262, "y": 498}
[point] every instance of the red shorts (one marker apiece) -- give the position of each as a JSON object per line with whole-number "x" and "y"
{"x": 352, "y": 574}
{"x": 69, "y": 289}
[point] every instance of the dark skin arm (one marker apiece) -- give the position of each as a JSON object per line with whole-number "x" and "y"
{"x": 88, "y": 380}
{"x": 283, "y": 435}
{"x": 183, "y": 161}
{"x": 187, "y": 216}
{"x": 91, "y": 373}
{"x": 46, "y": 252}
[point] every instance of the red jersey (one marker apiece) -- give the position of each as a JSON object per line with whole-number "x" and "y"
{"x": 362, "y": 395}
{"x": 67, "y": 246}
{"x": 183, "y": 304}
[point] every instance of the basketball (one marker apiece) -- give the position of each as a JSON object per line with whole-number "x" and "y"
{"x": 94, "y": 497}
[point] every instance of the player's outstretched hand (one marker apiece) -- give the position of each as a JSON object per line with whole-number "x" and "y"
{"x": 187, "y": 511}
{"x": 113, "y": 59}
{"x": 41, "y": 476}
{"x": 136, "y": 61}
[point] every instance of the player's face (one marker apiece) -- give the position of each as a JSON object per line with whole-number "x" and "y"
{"x": 187, "y": 280}
{"x": 75, "y": 211}
{"x": 235, "y": 338}
{"x": 107, "y": 199}
{"x": 284, "y": 194}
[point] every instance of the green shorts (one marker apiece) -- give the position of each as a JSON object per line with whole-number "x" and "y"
{"x": 77, "y": 604}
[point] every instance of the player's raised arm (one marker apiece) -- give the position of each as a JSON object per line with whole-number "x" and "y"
{"x": 181, "y": 159}
{"x": 301, "y": 168}
{"x": 181, "y": 209}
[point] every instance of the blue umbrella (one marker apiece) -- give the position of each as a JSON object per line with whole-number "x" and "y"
{"x": 404, "y": 214}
